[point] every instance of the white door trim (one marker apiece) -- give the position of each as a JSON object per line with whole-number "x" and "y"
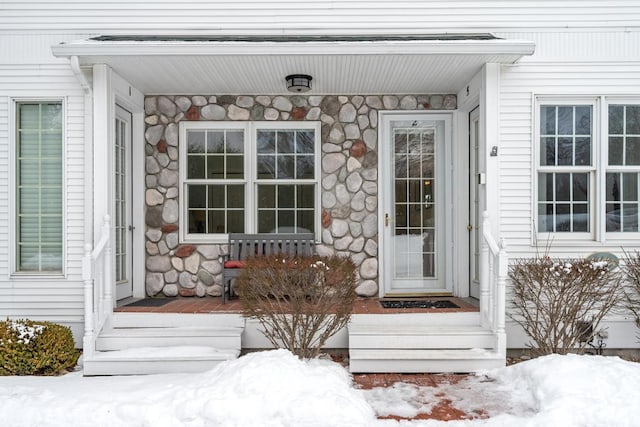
{"x": 124, "y": 289}
{"x": 476, "y": 198}
{"x": 124, "y": 94}
{"x": 385, "y": 191}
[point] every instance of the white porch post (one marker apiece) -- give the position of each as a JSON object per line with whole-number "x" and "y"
{"x": 102, "y": 136}
{"x": 103, "y": 112}
{"x": 490, "y": 118}
{"x": 493, "y": 265}
{"x": 503, "y": 271}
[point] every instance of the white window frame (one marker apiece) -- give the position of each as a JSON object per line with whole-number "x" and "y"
{"x": 592, "y": 170}
{"x": 15, "y": 273}
{"x": 606, "y": 102}
{"x": 600, "y": 166}
{"x": 250, "y": 180}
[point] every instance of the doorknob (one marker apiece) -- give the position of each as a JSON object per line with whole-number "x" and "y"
{"x": 469, "y": 227}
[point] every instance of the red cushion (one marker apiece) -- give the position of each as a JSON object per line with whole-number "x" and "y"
{"x": 233, "y": 264}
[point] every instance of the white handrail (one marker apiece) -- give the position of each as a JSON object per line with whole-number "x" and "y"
{"x": 494, "y": 262}
{"x": 97, "y": 279}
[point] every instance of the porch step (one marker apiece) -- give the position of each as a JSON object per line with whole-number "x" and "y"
{"x": 127, "y": 338}
{"x": 168, "y": 320}
{"x": 411, "y": 361}
{"x": 471, "y": 318}
{"x": 422, "y": 342}
{"x": 154, "y": 343}
{"x": 156, "y": 360}
{"x": 363, "y": 336}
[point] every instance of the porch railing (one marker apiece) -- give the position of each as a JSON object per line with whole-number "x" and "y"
{"x": 495, "y": 267}
{"x": 97, "y": 278}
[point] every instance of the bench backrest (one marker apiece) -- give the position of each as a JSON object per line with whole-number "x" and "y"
{"x": 243, "y": 246}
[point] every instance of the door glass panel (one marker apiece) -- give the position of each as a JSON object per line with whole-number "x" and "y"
{"x": 121, "y": 207}
{"x": 415, "y": 188}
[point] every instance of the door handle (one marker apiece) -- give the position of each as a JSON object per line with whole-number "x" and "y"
{"x": 386, "y": 220}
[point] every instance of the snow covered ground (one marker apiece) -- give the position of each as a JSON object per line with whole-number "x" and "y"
{"x": 274, "y": 388}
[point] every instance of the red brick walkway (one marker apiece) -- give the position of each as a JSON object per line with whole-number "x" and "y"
{"x": 442, "y": 410}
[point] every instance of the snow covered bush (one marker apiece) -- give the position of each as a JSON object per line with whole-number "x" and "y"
{"x": 561, "y": 303}
{"x": 632, "y": 291}
{"x": 300, "y": 302}
{"x": 35, "y": 348}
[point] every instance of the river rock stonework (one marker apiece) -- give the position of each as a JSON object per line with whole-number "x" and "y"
{"x": 349, "y": 186}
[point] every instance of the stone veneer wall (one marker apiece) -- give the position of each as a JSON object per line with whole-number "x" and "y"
{"x": 349, "y": 180}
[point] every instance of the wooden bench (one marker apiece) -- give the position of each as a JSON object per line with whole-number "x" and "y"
{"x": 243, "y": 246}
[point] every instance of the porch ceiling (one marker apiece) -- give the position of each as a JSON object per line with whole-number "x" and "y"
{"x": 347, "y": 65}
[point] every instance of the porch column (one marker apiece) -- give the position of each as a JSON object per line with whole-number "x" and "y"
{"x": 102, "y": 134}
{"x": 490, "y": 100}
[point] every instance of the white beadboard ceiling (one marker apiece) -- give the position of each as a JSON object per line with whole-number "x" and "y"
{"x": 337, "y": 67}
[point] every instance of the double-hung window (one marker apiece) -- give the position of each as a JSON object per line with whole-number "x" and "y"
{"x": 566, "y": 169}
{"x": 623, "y": 168}
{"x": 38, "y": 187}
{"x": 248, "y": 177}
{"x": 588, "y": 168}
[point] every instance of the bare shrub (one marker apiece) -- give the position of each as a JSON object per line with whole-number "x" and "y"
{"x": 631, "y": 269}
{"x": 560, "y": 303}
{"x": 300, "y": 302}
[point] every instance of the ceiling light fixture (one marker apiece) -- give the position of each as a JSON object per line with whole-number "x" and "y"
{"x": 298, "y": 83}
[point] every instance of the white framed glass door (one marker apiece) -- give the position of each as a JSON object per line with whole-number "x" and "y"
{"x": 415, "y": 193}
{"x": 122, "y": 205}
{"x": 475, "y": 203}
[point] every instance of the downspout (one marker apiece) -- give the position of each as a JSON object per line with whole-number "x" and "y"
{"x": 88, "y": 147}
{"x": 88, "y": 187}
{"x": 75, "y": 67}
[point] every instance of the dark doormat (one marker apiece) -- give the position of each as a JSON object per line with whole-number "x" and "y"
{"x": 418, "y": 304}
{"x": 150, "y": 302}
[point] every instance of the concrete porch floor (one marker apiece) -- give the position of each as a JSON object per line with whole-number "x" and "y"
{"x": 362, "y": 306}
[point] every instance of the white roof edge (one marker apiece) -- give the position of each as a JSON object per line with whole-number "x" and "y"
{"x": 88, "y": 48}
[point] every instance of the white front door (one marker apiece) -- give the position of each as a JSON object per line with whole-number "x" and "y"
{"x": 475, "y": 206}
{"x": 122, "y": 207}
{"x": 415, "y": 193}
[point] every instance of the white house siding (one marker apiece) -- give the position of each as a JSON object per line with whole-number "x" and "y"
{"x": 28, "y": 71}
{"x": 293, "y": 16}
{"x": 594, "y": 64}
{"x": 583, "y": 47}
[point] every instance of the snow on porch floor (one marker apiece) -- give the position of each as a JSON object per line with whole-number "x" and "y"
{"x": 362, "y": 306}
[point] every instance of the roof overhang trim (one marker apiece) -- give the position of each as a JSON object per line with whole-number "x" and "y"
{"x": 123, "y": 47}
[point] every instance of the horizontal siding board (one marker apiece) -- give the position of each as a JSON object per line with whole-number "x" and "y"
{"x": 518, "y": 85}
{"x": 316, "y": 16}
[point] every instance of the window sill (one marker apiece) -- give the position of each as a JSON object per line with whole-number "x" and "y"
{"x": 37, "y": 276}
{"x": 205, "y": 240}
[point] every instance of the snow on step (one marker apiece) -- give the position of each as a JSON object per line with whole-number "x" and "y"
{"x": 157, "y": 360}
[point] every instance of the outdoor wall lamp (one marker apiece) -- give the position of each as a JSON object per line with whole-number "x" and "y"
{"x": 298, "y": 82}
